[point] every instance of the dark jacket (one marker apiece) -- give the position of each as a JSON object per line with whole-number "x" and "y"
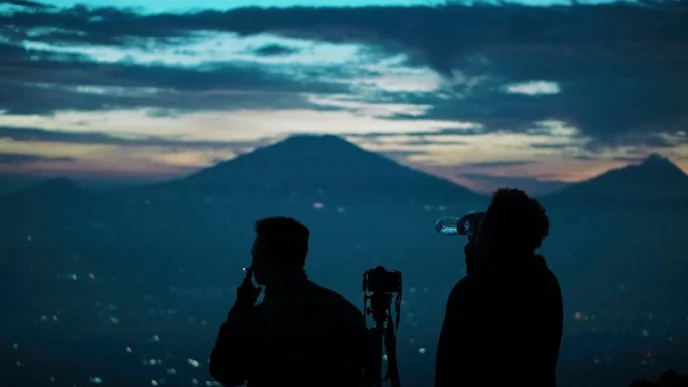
{"x": 300, "y": 335}
{"x": 502, "y": 329}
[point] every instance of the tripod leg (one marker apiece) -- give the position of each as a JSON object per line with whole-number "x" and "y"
{"x": 374, "y": 369}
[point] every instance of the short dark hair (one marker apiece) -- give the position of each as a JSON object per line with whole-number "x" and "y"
{"x": 521, "y": 221}
{"x": 285, "y": 240}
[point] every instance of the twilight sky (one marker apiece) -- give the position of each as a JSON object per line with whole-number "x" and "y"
{"x": 526, "y": 94}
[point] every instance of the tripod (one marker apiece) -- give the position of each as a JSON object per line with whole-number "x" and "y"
{"x": 381, "y": 311}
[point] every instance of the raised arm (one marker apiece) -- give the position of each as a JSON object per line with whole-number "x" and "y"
{"x": 230, "y": 360}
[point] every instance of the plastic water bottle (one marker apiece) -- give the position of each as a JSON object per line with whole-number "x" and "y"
{"x": 465, "y": 225}
{"x": 448, "y": 226}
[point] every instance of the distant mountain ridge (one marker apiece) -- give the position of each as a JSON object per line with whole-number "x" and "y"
{"x": 49, "y": 191}
{"x": 654, "y": 179}
{"x": 13, "y": 182}
{"x": 54, "y": 201}
{"x": 57, "y": 192}
{"x": 314, "y": 165}
{"x": 327, "y": 166}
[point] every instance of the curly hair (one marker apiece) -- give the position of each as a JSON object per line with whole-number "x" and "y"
{"x": 520, "y": 221}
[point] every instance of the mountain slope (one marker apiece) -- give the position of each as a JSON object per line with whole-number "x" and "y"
{"x": 617, "y": 238}
{"x": 310, "y": 167}
{"x": 655, "y": 179}
{"x": 53, "y": 190}
{"x": 10, "y": 183}
{"x": 52, "y": 199}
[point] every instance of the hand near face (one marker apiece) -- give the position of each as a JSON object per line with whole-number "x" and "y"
{"x": 247, "y": 293}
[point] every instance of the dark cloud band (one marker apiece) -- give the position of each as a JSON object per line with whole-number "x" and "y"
{"x": 18, "y": 159}
{"x": 620, "y": 67}
{"x": 18, "y": 134}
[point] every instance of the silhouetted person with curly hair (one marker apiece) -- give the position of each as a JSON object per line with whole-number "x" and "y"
{"x": 504, "y": 320}
{"x": 301, "y": 334}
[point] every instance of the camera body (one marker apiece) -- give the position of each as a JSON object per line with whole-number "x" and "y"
{"x": 382, "y": 280}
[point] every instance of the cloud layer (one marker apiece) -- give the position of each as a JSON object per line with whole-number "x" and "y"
{"x": 620, "y": 67}
{"x": 11, "y": 158}
{"x": 591, "y": 78}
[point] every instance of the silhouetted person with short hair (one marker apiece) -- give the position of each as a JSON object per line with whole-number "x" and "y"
{"x": 503, "y": 322}
{"x": 301, "y": 334}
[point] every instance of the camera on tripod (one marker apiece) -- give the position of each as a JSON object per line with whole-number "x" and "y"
{"x": 381, "y": 280}
{"x": 379, "y": 288}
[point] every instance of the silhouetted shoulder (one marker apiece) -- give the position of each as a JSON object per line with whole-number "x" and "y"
{"x": 460, "y": 292}
{"x": 465, "y": 284}
{"x": 549, "y": 279}
{"x": 552, "y": 287}
{"x": 336, "y": 301}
